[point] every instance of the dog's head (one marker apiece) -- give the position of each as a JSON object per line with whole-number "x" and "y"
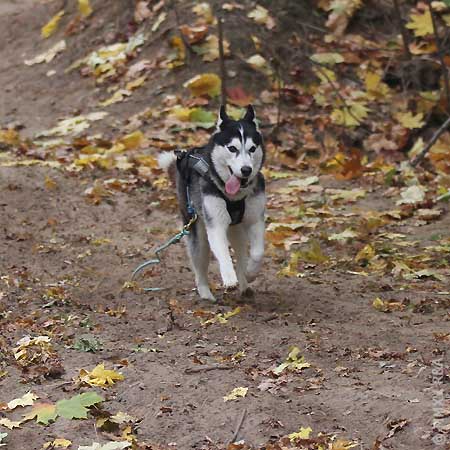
{"x": 238, "y": 152}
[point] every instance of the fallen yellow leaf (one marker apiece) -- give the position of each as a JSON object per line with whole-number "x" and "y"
{"x": 51, "y": 26}
{"x": 84, "y": 7}
{"x": 235, "y": 394}
{"x": 204, "y": 84}
{"x": 99, "y": 376}
{"x": 421, "y": 24}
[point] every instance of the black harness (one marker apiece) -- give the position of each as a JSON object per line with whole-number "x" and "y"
{"x": 235, "y": 208}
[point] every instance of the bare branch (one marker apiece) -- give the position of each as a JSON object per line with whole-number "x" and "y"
{"x": 430, "y": 144}
{"x": 405, "y": 37}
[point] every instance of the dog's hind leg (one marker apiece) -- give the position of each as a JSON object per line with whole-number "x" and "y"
{"x": 239, "y": 242}
{"x": 198, "y": 249}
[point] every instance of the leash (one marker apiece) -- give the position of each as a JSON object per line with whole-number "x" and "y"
{"x": 173, "y": 240}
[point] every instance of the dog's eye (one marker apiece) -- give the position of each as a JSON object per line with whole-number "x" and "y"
{"x": 252, "y": 149}
{"x": 232, "y": 149}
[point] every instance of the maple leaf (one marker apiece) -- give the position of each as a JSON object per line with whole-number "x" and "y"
{"x": 375, "y": 87}
{"x": 44, "y": 413}
{"x": 303, "y": 433}
{"x": 350, "y": 115}
{"x": 293, "y": 362}
{"x": 9, "y": 423}
{"x": 204, "y": 84}
{"x": 77, "y": 407}
{"x": 421, "y": 24}
{"x": 235, "y": 394}
{"x": 411, "y": 195}
{"x": 409, "y": 120}
{"x": 262, "y": 17}
{"x": 26, "y": 400}
{"x": 57, "y": 443}
{"x": 99, "y": 376}
{"x": 52, "y": 25}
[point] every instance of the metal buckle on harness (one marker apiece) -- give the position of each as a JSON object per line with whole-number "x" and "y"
{"x": 201, "y": 166}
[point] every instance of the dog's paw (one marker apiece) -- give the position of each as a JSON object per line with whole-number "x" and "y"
{"x": 230, "y": 293}
{"x": 230, "y": 289}
{"x": 206, "y": 294}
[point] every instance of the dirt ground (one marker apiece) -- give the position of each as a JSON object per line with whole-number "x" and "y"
{"x": 64, "y": 263}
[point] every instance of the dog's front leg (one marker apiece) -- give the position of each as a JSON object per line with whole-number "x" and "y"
{"x": 217, "y": 223}
{"x": 256, "y": 237}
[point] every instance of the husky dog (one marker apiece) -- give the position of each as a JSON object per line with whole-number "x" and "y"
{"x": 222, "y": 183}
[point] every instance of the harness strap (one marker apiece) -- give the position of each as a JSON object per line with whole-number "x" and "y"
{"x": 235, "y": 208}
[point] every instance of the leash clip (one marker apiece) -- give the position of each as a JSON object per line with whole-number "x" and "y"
{"x": 157, "y": 260}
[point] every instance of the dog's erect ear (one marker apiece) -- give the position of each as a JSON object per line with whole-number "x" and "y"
{"x": 223, "y": 117}
{"x": 250, "y": 115}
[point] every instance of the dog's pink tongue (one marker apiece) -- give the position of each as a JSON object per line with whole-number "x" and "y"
{"x": 233, "y": 185}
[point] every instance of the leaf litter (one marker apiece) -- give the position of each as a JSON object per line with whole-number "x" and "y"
{"x": 321, "y": 215}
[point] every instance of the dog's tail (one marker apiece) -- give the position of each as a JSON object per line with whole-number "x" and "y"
{"x": 166, "y": 161}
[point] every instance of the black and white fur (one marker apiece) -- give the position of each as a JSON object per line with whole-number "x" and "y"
{"x": 236, "y": 148}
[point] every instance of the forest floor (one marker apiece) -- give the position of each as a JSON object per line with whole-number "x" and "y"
{"x": 68, "y": 247}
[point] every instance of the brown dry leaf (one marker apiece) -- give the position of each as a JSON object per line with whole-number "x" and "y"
{"x": 237, "y": 96}
{"x": 262, "y": 17}
{"x": 209, "y": 49}
{"x": 341, "y": 13}
{"x": 194, "y": 34}
{"x": 204, "y": 12}
{"x": 50, "y": 184}
{"x": 387, "y": 305}
{"x": 9, "y": 137}
{"x": 142, "y": 11}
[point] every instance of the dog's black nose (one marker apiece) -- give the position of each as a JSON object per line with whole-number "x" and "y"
{"x": 246, "y": 171}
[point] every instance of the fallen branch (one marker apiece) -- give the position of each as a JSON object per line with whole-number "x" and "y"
{"x": 430, "y": 144}
{"x": 199, "y": 369}
{"x": 239, "y": 426}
